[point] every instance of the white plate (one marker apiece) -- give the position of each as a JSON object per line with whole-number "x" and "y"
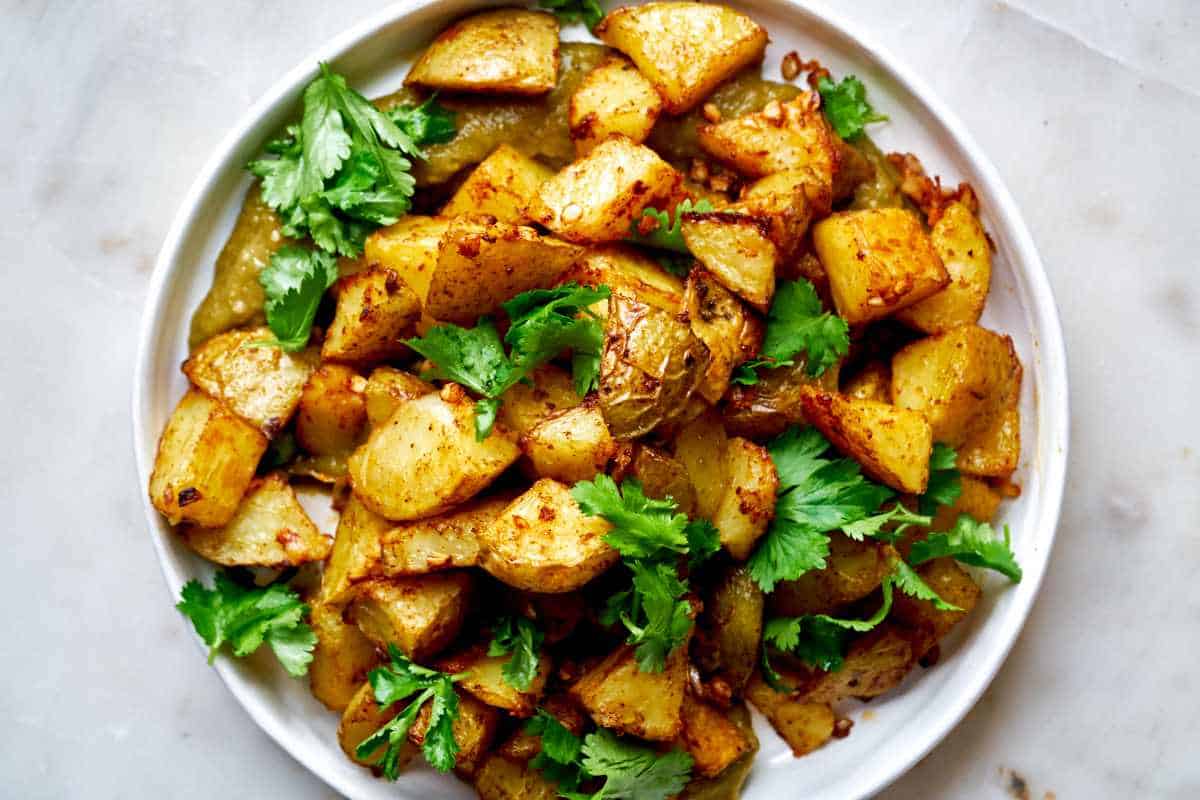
{"x": 900, "y": 727}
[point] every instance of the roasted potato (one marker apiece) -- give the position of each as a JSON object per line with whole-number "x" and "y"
{"x": 269, "y": 529}
{"x": 356, "y": 554}
{"x": 852, "y": 571}
{"x": 874, "y": 664}
{"x": 774, "y": 403}
{"x": 499, "y": 778}
{"x": 737, "y": 249}
{"x": 421, "y": 614}
{"x": 728, "y": 784}
{"x": 376, "y": 311}
{"x": 387, "y": 388}
{"x": 525, "y": 405}
{"x": 206, "y": 459}
{"x": 259, "y": 383}
{"x": 685, "y": 49}
{"x": 483, "y": 677}
{"x": 959, "y": 380}
{"x": 748, "y": 502}
{"x": 873, "y": 382}
{"x": 803, "y": 723}
{"x": 506, "y": 51}
{"x": 543, "y": 542}
{"x": 499, "y": 187}
{"x": 571, "y": 445}
{"x": 961, "y": 244}
{"x": 651, "y": 366}
{"x": 631, "y": 272}
{"x": 474, "y": 729}
{"x": 599, "y": 197}
{"x": 700, "y": 447}
{"x": 878, "y": 261}
{"x": 363, "y": 717}
{"x": 436, "y": 543}
{"x": 662, "y": 476}
{"x": 410, "y": 249}
{"x": 425, "y": 459}
{"x": 333, "y": 411}
{"x": 787, "y": 201}
{"x": 482, "y": 262}
{"x": 613, "y": 98}
{"x": 734, "y": 619}
{"x": 620, "y": 696}
{"x": 994, "y": 450}
{"x": 953, "y": 584}
{"x": 341, "y": 659}
{"x": 730, "y": 332}
{"x": 713, "y": 741}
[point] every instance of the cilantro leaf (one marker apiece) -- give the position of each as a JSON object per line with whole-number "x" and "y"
{"x": 798, "y": 324}
{"x": 428, "y": 123}
{"x": 588, "y": 12}
{"x": 294, "y": 283}
{"x": 945, "y": 481}
{"x": 245, "y": 618}
{"x": 703, "y": 541}
{"x": 665, "y": 617}
{"x": 558, "y": 743}
{"x": 632, "y": 771}
{"x": 473, "y": 357}
{"x": 873, "y": 525}
{"x": 908, "y": 581}
{"x": 971, "y": 542}
{"x": 519, "y": 636}
{"x": 668, "y": 235}
{"x": 398, "y": 681}
{"x": 642, "y": 527}
{"x": 846, "y": 107}
{"x": 546, "y": 322}
{"x": 281, "y": 451}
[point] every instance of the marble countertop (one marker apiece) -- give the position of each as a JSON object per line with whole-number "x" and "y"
{"x": 110, "y": 109}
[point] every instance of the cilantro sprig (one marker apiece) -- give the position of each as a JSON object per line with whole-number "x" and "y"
{"x": 667, "y": 234}
{"x": 971, "y": 542}
{"x": 294, "y": 282}
{"x": 544, "y": 323}
{"x": 588, "y": 12}
{"x": 520, "y": 637}
{"x": 630, "y": 771}
{"x": 398, "y": 681}
{"x": 797, "y": 323}
{"x": 244, "y": 618}
{"x": 945, "y": 481}
{"x": 428, "y": 123}
{"x": 846, "y": 107}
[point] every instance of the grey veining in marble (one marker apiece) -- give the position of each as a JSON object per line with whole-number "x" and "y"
{"x": 1090, "y": 110}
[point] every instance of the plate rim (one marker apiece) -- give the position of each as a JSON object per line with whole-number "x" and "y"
{"x": 1052, "y": 407}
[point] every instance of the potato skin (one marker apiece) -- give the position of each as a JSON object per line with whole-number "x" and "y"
{"x": 543, "y": 542}
{"x": 507, "y": 51}
{"x": 770, "y": 406}
{"x": 499, "y": 187}
{"x": 649, "y": 705}
{"x": 206, "y": 459}
{"x": 612, "y": 98}
{"x": 730, "y": 332}
{"x": 631, "y": 272}
{"x": 341, "y": 659}
{"x": 852, "y": 571}
{"x": 748, "y": 503}
{"x": 425, "y": 459}
{"x": 734, "y": 618}
{"x": 376, "y": 311}
{"x": 874, "y": 665}
{"x": 421, "y": 614}
{"x": 333, "y": 411}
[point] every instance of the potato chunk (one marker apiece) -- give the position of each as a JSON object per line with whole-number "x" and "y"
{"x": 363, "y": 717}
{"x": 333, "y": 411}
{"x": 748, "y": 502}
{"x": 206, "y": 459}
{"x": 892, "y": 444}
{"x": 484, "y": 678}
{"x": 852, "y": 571}
{"x": 685, "y": 49}
{"x": 507, "y": 51}
{"x": 341, "y": 659}
{"x": 437, "y": 543}
{"x": 425, "y": 459}
{"x": 737, "y": 249}
{"x": 500, "y": 778}
{"x": 734, "y": 618}
{"x": 959, "y": 380}
{"x": 481, "y": 263}
{"x": 421, "y": 615}
{"x": 662, "y": 476}
{"x": 994, "y": 450}
{"x": 569, "y": 446}
{"x": 376, "y": 310}
{"x": 524, "y": 406}
{"x": 473, "y": 729}
{"x": 409, "y": 248}
{"x": 953, "y": 584}
{"x": 269, "y": 529}
{"x": 804, "y": 725}
{"x": 959, "y": 240}
{"x": 597, "y": 198}
{"x": 788, "y": 200}
{"x": 356, "y": 552}
{"x": 387, "y": 388}
{"x": 874, "y": 665}
{"x": 872, "y": 382}
{"x": 500, "y": 186}
{"x": 544, "y": 543}
{"x": 878, "y": 261}
{"x": 612, "y": 98}
{"x": 620, "y": 696}
{"x": 712, "y": 739}
{"x": 260, "y": 384}
{"x": 730, "y": 332}
{"x": 631, "y": 272}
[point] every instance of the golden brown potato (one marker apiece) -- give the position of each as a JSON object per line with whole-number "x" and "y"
{"x": 953, "y": 584}
{"x": 499, "y": 187}
{"x": 363, "y": 717}
{"x": 484, "y": 678}
{"x": 782, "y": 199}
{"x": 259, "y": 383}
{"x": 571, "y": 445}
{"x": 961, "y": 243}
{"x": 700, "y": 447}
{"x": 376, "y": 311}
{"x": 409, "y": 248}
{"x": 421, "y": 614}
{"x": 498, "y": 778}
{"x": 651, "y": 366}
{"x": 712, "y": 739}
{"x": 873, "y": 382}
{"x": 425, "y": 459}
{"x": 737, "y": 249}
{"x": 874, "y": 665}
{"x": 387, "y": 388}
{"x": 852, "y": 571}
{"x": 731, "y": 333}
{"x": 544, "y": 543}
{"x": 506, "y": 51}
{"x": 892, "y": 444}
{"x": 341, "y": 659}
{"x": 959, "y": 380}
{"x": 662, "y": 476}
{"x": 206, "y": 459}
{"x": 269, "y": 529}
{"x": 878, "y": 261}
{"x": 734, "y": 618}
{"x": 613, "y": 98}
{"x": 994, "y": 450}
{"x": 748, "y": 502}
{"x": 804, "y": 724}
{"x": 356, "y": 552}
{"x": 333, "y": 411}
{"x": 770, "y": 406}
{"x": 474, "y": 729}
{"x": 481, "y": 263}
{"x": 728, "y": 784}
{"x": 523, "y": 746}
{"x": 620, "y": 696}
{"x": 436, "y": 543}
{"x": 977, "y": 498}
{"x": 685, "y": 49}
{"x": 524, "y": 406}
{"x": 597, "y": 198}
{"x": 631, "y": 272}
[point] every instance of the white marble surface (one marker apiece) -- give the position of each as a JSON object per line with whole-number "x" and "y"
{"x": 1089, "y": 109}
